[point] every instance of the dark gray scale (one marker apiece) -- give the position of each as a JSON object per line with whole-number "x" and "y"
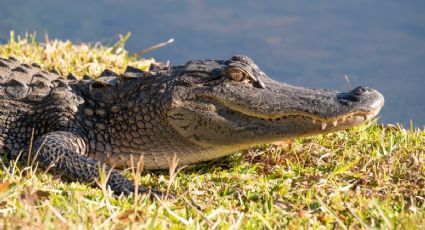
{"x": 157, "y": 67}
{"x": 71, "y": 77}
{"x": 36, "y": 65}
{"x": 16, "y": 89}
{"x": 40, "y": 87}
{"x": 6, "y": 66}
{"x": 61, "y": 83}
{"x": 103, "y": 89}
{"x": 22, "y": 74}
{"x": 108, "y": 73}
{"x": 131, "y": 72}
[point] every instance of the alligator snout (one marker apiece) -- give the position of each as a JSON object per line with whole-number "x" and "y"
{"x": 362, "y": 96}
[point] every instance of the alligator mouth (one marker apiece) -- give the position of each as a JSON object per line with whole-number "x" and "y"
{"x": 350, "y": 118}
{"x": 346, "y": 119}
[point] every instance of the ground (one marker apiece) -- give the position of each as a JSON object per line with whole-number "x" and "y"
{"x": 369, "y": 176}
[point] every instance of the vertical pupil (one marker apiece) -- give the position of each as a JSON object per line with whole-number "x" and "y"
{"x": 236, "y": 75}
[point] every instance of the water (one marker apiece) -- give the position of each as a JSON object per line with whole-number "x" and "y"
{"x": 378, "y": 43}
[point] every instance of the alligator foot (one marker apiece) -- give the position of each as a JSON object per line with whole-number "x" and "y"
{"x": 61, "y": 153}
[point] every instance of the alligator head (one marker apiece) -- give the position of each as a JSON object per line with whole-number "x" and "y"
{"x": 233, "y": 104}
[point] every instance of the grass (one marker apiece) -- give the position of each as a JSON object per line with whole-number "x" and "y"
{"x": 371, "y": 176}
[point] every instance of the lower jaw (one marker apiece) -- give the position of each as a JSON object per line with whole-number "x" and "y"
{"x": 340, "y": 122}
{"x": 261, "y": 131}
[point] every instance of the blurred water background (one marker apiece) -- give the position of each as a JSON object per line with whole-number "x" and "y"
{"x": 378, "y": 43}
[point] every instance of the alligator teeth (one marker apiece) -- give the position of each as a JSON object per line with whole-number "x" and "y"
{"x": 368, "y": 116}
{"x": 343, "y": 119}
{"x": 313, "y": 121}
{"x": 361, "y": 117}
{"x": 323, "y": 125}
{"x": 335, "y": 123}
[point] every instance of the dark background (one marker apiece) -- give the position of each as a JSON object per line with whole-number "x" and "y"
{"x": 377, "y": 43}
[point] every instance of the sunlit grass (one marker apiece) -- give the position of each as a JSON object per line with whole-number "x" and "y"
{"x": 369, "y": 176}
{"x": 66, "y": 57}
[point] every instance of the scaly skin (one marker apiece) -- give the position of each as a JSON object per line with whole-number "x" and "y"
{"x": 201, "y": 111}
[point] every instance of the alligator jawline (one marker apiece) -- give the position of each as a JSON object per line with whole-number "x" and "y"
{"x": 356, "y": 117}
{"x": 348, "y": 118}
{"x": 351, "y": 118}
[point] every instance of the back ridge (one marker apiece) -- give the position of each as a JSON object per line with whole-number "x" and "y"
{"x": 27, "y": 82}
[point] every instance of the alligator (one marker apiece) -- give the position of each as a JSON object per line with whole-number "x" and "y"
{"x": 200, "y": 111}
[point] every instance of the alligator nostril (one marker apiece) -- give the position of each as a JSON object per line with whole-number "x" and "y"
{"x": 361, "y": 90}
{"x": 355, "y": 95}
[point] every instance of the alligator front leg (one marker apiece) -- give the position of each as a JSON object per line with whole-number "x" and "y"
{"x": 60, "y": 153}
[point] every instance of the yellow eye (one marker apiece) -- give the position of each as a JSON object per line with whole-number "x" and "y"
{"x": 235, "y": 75}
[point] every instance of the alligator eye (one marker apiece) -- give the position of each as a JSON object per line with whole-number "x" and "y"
{"x": 235, "y": 75}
